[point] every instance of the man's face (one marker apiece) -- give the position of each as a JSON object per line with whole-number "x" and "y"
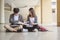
{"x": 16, "y": 10}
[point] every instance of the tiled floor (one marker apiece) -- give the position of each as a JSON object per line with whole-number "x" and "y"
{"x": 52, "y": 34}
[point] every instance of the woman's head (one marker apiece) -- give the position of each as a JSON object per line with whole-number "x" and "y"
{"x": 16, "y": 10}
{"x": 31, "y": 12}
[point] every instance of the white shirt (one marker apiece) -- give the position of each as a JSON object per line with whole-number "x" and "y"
{"x": 16, "y": 17}
{"x": 32, "y": 19}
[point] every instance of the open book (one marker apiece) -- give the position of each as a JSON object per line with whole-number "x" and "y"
{"x": 28, "y": 25}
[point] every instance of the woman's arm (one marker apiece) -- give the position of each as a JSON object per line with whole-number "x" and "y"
{"x": 28, "y": 20}
{"x": 35, "y": 19}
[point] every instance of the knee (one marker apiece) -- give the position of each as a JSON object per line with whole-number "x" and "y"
{"x": 5, "y": 26}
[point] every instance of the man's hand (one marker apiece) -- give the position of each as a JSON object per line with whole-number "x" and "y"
{"x": 20, "y": 23}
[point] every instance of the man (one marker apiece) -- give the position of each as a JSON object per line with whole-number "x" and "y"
{"x": 15, "y": 21}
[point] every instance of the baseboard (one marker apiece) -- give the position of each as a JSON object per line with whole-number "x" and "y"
{"x": 52, "y": 24}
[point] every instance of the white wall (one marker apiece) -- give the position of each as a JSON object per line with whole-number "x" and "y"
{"x": 7, "y": 13}
{"x": 24, "y": 12}
{"x": 38, "y": 13}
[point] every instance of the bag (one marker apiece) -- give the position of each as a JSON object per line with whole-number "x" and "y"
{"x": 42, "y": 28}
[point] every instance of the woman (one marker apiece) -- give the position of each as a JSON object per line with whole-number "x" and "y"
{"x": 31, "y": 20}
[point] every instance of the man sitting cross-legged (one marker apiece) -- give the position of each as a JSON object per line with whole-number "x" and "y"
{"x": 16, "y": 22}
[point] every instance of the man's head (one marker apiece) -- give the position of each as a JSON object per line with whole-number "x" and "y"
{"x": 16, "y": 10}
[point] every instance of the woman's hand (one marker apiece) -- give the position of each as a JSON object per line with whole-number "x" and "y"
{"x": 32, "y": 23}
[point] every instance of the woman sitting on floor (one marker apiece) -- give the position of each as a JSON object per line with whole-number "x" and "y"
{"x": 31, "y": 20}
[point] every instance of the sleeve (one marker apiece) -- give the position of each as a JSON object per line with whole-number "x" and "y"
{"x": 21, "y": 18}
{"x": 36, "y": 19}
{"x": 10, "y": 19}
{"x": 28, "y": 20}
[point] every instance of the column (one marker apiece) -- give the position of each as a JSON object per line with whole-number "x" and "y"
{"x": 58, "y": 12}
{"x": 46, "y": 12}
{"x": 2, "y": 20}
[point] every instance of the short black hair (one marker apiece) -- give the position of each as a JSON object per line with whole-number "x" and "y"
{"x": 16, "y": 10}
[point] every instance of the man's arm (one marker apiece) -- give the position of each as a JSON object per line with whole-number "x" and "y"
{"x": 36, "y": 19}
{"x": 21, "y": 18}
{"x": 10, "y": 19}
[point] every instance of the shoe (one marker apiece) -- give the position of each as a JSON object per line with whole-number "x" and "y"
{"x": 20, "y": 30}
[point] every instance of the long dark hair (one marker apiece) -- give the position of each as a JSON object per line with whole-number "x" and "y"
{"x": 32, "y": 12}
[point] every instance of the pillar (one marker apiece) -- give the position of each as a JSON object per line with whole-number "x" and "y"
{"x": 2, "y": 11}
{"x": 46, "y": 12}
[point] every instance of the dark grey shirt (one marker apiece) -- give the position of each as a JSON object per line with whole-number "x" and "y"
{"x": 11, "y": 19}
